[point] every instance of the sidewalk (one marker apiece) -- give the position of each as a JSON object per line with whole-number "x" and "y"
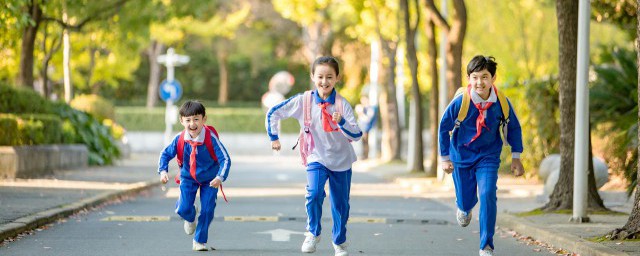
{"x": 516, "y": 195}
{"x": 26, "y": 204}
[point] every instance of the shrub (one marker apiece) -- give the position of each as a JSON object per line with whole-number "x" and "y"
{"x": 21, "y": 100}
{"x": 30, "y": 129}
{"x": 95, "y": 105}
{"x": 9, "y": 134}
{"x": 247, "y": 120}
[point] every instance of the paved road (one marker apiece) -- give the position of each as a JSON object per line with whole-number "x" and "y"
{"x": 266, "y": 216}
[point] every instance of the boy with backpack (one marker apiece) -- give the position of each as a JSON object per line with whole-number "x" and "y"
{"x": 328, "y": 125}
{"x": 470, "y": 145}
{"x": 205, "y": 168}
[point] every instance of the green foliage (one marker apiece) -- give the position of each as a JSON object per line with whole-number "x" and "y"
{"x": 29, "y": 119}
{"x": 9, "y": 134}
{"x": 97, "y": 106}
{"x": 614, "y": 108}
{"x": 30, "y": 129}
{"x": 21, "y": 100}
{"x": 622, "y": 13}
{"x": 536, "y": 103}
{"x": 97, "y": 137}
{"x": 249, "y": 120}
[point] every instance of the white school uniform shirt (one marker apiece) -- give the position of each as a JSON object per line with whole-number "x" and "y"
{"x": 332, "y": 149}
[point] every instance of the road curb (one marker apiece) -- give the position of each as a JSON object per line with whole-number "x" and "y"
{"x": 559, "y": 239}
{"x": 36, "y": 220}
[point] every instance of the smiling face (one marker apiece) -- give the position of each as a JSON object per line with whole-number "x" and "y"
{"x": 324, "y": 77}
{"x": 193, "y": 124}
{"x": 481, "y": 82}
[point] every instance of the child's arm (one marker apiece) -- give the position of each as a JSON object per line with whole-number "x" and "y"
{"x": 291, "y": 107}
{"x": 446, "y": 125}
{"x": 224, "y": 161}
{"x": 347, "y": 122}
{"x": 514, "y": 133}
{"x": 165, "y": 157}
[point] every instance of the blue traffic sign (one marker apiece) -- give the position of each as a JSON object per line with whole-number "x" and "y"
{"x": 170, "y": 90}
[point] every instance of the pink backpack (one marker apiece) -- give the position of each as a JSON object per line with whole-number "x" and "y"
{"x": 305, "y": 139}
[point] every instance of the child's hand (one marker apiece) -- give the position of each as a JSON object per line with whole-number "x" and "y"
{"x": 215, "y": 182}
{"x": 447, "y": 166}
{"x": 336, "y": 117}
{"x": 164, "y": 177}
{"x": 275, "y": 145}
{"x": 516, "y": 167}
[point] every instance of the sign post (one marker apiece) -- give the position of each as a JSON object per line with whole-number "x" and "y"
{"x": 170, "y": 89}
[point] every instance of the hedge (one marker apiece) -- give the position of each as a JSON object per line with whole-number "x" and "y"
{"x": 241, "y": 120}
{"x": 30, "y": 129}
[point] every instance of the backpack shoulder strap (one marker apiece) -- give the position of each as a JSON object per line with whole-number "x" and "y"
{"x": 180, "y": 148}
{"x": 306, "y": 108}
{"x": 464, "y": 108}
{"x": 209, "y": 142}
{"x": 504, "y": 104}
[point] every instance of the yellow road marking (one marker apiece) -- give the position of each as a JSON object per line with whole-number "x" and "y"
{"x": 251, "y": 218}
{"x": 136, "y": 218}
{"x": 367, "y": 220}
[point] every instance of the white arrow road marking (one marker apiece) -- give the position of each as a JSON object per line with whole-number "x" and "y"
{"x": 281, "y": 235}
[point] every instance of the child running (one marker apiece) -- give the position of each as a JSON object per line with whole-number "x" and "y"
{"x": 470, "y": 148}
{"x": 204, "y": 165}
{"x": 328, "y": 126}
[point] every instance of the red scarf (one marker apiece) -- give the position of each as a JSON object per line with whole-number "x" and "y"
{"x": 327, "y": 119}
{"x": 480, "y": 121}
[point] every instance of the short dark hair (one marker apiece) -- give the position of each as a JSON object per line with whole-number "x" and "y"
{"x": 192, "y": 108}
{"x": 479, "y": 63}
{"x": 328, "y": 60}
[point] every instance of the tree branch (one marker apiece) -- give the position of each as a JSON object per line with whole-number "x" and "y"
{"x": 99, "y": 14}
{"x": 436, "y": 16}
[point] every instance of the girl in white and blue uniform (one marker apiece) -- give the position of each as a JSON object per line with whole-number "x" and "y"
{"x": 472, "y": 151}
{"x": 331, "y": 158}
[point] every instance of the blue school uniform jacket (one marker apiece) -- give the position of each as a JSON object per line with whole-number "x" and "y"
{"x": 206, "y": 168}
{"x": 488, "y": 145}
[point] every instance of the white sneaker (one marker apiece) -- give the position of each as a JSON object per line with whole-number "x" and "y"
{"x": 463, "y": 218}
{"x": 487, "y": 251}
{"x": 341, "y": 250}
{"x": 190, "y": 227}
{"x": 199, "y": 247}
{"x": 310, "y": 242}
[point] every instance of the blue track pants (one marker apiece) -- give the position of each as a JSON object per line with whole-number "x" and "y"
{"x": 339, "y": 187}
{"x": 186, "y": 210}
{"x": 479, "y": 181}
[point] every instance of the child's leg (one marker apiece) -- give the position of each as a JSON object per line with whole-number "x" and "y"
{"x": 340, "y": 188}
{"x": 464, "y": 180}
{"x": 487, "y": 179}
{"x": 208, "y": 197}
{"x": 184, "y": 205}
{"x": 316, "y": 178}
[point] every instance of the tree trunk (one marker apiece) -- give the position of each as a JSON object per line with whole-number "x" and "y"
{"x": 455, "y": 36}
{"x": 454, "y": 48}
{"x": 66, "y": 63}
{"x": 567, "y": 15}
{"x": 594, "y": 201}
{"x": 223, "y": 92}
{"x": 25, "y": 73}
{"x": 417, "y": 164}
{"x": 632, "y": 228}
{"x": 433, "y": 105}
{"x": 391, "y": 135}
{"x": 155, "y": 49}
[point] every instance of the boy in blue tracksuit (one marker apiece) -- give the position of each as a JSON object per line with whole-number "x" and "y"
{"x": 472, "y": 150}
{"x": 200, "y": 170}
{"x": 332, "y": 127}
